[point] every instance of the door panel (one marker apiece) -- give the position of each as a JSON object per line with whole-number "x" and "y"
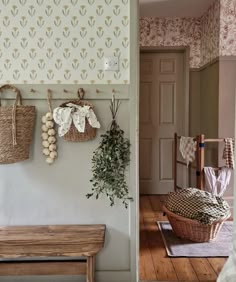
{"x": 162, "y": 112}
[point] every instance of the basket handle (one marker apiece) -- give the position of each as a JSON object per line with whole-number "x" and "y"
{"x": 18, "y": 100}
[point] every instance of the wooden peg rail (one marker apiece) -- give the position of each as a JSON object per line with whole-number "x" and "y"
{"x": 64, "y": 91}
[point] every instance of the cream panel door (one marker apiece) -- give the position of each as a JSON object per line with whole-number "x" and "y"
{"x": 162, "y": 112}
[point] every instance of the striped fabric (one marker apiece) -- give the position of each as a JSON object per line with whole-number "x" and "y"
{"x": 228, "y": 153}
{"x": 228, "y": 273}
{"x": 197, "y": 205}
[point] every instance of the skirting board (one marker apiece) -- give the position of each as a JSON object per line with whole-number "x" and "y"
{"x": 101, "y": 276}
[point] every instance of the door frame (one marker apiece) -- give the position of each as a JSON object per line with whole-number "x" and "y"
{"x": 150, "y": 49}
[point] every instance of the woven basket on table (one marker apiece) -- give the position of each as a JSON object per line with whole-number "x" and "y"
{"x": 16, "y": 129}
{"x": 193, "y": 230}
{"x": 73, "y": 134}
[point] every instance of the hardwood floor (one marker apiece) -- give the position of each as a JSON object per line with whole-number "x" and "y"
{"x": 154, "y": 264}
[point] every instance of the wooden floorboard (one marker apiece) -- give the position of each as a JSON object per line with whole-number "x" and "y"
{"x": 154, "y": 264}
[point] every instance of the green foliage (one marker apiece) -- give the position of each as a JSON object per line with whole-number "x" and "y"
{"x": 110, "y": 161}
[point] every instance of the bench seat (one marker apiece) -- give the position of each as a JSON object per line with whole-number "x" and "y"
{"x": 54, "y": 249}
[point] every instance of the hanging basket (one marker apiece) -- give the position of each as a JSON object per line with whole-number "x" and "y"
{"x": 16, "y": 129}
{"x": 73, "y": 135}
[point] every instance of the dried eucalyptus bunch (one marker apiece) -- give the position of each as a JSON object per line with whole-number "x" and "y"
{"x": 110, "y": 161}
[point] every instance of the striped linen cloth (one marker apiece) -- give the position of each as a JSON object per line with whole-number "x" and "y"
{"x": 228, "y": 273}
{"x": 228, "y": 153}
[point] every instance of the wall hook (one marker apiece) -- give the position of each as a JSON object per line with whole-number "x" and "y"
{"x": 97, "y": 91}
{"x": 113, "y": 91}
{"x": 65, "y": 91}
{"x": 32, "y": 90}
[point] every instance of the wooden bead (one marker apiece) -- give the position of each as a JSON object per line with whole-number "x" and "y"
{"x": 53, "y": 154}
{"x": 49, "y": 160}
{"x": 52, "y": 147}
{"x": 49, "y": 124}
{"x": 51, "y": 132}
{"x": 45, "y": 144}
{"x": 44, "y": 136}
{"x": 44, "y": 128}
{"x": 44, "y": 119}
{"x": 49, "y": 116}
{"x": 46, "y": 152}
{"x": 51, "y": 140}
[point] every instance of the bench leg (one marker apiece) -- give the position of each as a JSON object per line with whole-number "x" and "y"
{"x": 91, "y": 269}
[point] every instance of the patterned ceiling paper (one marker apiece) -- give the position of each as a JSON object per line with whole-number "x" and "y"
{"x": 210, "y": 36}
{"x": 228, "y": 28}
{"x": 63, "y": 41}
{"x": 173, "y": 32}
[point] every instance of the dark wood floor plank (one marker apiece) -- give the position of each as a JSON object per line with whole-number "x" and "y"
{"x": 184, "y": 269}
{"x": 163, "y": 265}
{"x": 217, "y": 264}
{"x": 203, "y": 269}
{"x": 146, "y": 208}
{"x": 146, "y": 266}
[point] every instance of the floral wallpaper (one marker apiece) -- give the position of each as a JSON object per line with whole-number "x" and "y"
{"x": 210, "y": 29}
{"x": 173, "y": 32}
{"x": 63, "y": 41}
{"x": 210, "y": 36}
{"x": 227, "y": 28}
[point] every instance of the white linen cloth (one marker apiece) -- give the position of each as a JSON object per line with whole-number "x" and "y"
{"x": 217, "y": 185}
{"x": 228, "y": 273}
{"x": 187, "y": 147}
{"x": 77, "y": 114}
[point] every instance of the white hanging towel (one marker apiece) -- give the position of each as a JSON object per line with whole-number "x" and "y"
{"x": 187, "y": 148}
{"x": 217, "y": 185}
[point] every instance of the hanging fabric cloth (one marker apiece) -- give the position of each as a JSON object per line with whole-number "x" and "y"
{"x": 217, "y": 185}
{"x": 228, "y": 153}
{"x": 187, "y": 148}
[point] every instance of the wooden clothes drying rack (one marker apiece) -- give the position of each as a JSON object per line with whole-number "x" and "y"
{"x": 200, "y": 159}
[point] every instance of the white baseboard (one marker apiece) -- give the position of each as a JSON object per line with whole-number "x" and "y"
{"x": 101, "y": 276}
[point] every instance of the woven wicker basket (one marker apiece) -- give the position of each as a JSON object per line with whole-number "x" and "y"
{"x": 73, "y": 134}
{"x": 193, "y": 230}
{"x": 16, "y": 129}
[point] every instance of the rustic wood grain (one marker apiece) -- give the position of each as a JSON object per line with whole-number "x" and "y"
{"x": 203, "y": 269}
{"x": 42, "y": 268}
{"x": 51, "y": 241}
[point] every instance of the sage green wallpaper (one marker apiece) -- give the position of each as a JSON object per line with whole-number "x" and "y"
{"x": 63, "y": 41}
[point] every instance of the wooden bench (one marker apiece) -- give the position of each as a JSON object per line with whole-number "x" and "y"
{"x": 44, "y": 244}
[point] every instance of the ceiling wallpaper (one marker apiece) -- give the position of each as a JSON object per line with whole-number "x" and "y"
{"x": 63, "y": 41}
{"x": 228, "y": 28}
{"x": 173, "y": 32}
{"x": 210, "y": 28}
{"x": 210, "y": 36}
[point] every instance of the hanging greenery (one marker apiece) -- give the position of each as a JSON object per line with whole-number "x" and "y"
{"x": 110, "y": 161}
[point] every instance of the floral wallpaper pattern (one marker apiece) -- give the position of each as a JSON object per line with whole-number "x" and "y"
{"x": 210, "y": 36}
{"x": 227, "y": 28}
{"x": 173, "y": 32}
{"x": 210, "y": 29}
{"x": 63, "y": 41}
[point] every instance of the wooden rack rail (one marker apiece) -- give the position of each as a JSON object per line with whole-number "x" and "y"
{"x": 200, "y": 158}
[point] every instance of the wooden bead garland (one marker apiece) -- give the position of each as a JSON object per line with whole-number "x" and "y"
{"x": 49, "y": 134}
